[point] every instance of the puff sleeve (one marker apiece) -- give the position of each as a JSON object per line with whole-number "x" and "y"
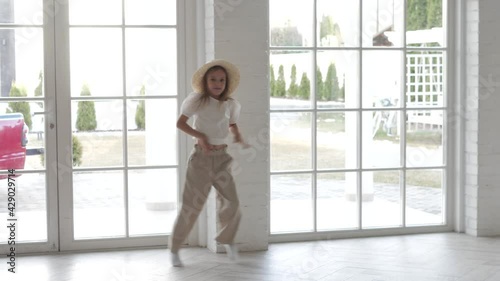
{"x": 189, "y": 105}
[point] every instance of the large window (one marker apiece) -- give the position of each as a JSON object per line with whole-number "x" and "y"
{"x": 357, "y": 109}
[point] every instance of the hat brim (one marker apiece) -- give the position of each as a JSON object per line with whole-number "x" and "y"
{"x": 232, "y": 71}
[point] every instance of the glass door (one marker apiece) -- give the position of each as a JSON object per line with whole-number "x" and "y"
{"x": 102, "y": 169}
{"x": 28, "y": 170}
{"x": 118, "y": 85}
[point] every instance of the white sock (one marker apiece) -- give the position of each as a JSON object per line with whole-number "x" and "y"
{"x": 232, "y": 251}
{"x": 176, "y": 260}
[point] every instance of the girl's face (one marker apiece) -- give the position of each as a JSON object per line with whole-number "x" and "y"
{"x": 216, "y": 82}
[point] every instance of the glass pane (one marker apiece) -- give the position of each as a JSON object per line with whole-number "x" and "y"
{"x": 337, "y": 79}
{"x": 92, "y": 12}
{"x": 21, "y": 58}
{"x": 381, "y": 139}
{"x": 424, "y": 26}
{"x": 28, "y": 12}
{"x": 291, "y": 203}
{"x": 381, "y": 199}
{"x": 383, "y": 23}
{"x": 145, "y": 12}
{"x": 31, "y": 206}
{"x": 97, "y": 133}
{"x": 424, "y": 79}
{"x": 151, "y": 57}
{"x": 385, "y": 125}
{"x": 98, "y": 204}
{"x": 424, "y": 138}
{"x": 96, "y": 61}
{"x": 291, "y": 79}
{"x": 291, "y": 137}
{"x": 152, "y": 201}
{"x": 336, "y": 204}
{"x": 35, "y": 149}
{"x": 424, "y": 197}
{"x": 291, "y": 23}
{"x": 382, "y": 88}
{"x": 336, "y": 140}
{"x": 21, "y": 135}
{"x": 338, "y": 23}
{"x": 152, "y": 140}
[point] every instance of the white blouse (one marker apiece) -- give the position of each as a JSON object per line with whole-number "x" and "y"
{"x": 212, "y": 118}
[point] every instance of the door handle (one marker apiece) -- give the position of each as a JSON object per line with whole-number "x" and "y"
{"x": 51, "y": 125}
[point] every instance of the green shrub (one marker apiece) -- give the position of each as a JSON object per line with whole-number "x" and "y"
{"x": 77, "y": 149}
{"x": 20, "y": 106}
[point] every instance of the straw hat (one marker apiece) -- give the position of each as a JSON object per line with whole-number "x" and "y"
{"x": 232, "y": 72}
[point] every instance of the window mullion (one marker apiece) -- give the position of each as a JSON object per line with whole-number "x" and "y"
{"x": 313, "y": 120}
{"x": 359, "y": 143}
{"x": 402, "y": 133}
{"x": 125, "y": 129}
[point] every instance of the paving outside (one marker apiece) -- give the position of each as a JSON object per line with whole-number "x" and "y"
{"x": 103, "y": 202}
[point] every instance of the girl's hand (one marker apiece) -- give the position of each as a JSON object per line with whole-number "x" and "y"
{"x": 204, "y": 144}
{"x": 237, "y": 136}
{"x": 202, "y": 139}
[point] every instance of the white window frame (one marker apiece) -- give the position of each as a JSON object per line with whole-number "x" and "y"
{"x": 453, "y": 155}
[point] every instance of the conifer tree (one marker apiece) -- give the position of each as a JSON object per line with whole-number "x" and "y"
{"x": 332, "y": 83}
{"x": 305, "y": 87}
{"x": 86, "y": 117}
{"x": 293, "y": 89}
{"x": 280, "y": 83}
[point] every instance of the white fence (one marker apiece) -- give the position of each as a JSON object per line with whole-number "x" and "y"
{"x": 424, "y": 88}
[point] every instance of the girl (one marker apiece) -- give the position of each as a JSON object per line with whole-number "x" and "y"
{"x": 214, "y": 114}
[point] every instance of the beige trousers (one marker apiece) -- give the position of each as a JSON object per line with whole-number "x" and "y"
{"x": 203, "y": 172}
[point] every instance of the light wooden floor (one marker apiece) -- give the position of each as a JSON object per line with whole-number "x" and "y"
{"x": 433, "y": 257}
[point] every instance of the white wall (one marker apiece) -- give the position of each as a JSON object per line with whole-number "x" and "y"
{"x": 482, "y": 104}
{"x": 237, "y": 30}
